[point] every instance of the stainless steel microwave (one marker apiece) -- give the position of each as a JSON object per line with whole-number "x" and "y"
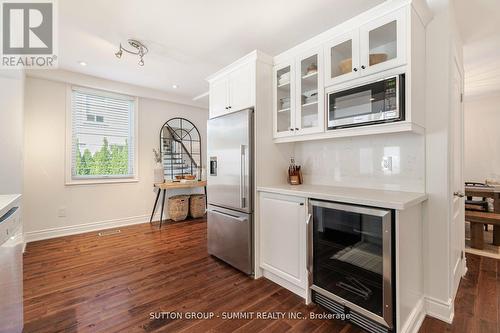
{"x": 373, "y": 103}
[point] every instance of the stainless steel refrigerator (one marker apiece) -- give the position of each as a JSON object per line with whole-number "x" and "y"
{"x": 230, "y": 189}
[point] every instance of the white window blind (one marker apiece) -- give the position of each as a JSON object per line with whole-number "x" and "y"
{"x": 102, "y": 135}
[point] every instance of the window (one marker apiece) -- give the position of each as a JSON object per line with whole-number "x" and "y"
{"x": 102, "y": 134}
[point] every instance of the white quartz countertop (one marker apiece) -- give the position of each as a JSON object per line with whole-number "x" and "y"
{"x": 6, "y": 200}
{"x": 361, "y": 196}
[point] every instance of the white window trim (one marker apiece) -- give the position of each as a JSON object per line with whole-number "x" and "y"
{"x": 69, "y": 180}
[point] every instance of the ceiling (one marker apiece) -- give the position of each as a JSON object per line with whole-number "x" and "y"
{"x": 188, "y": 40}
{"x": 479, "y": 24}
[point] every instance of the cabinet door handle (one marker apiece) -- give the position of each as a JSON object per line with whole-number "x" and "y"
{"x": 226, "y": 107}
{"x": 363, "y": 67}
{"x": 296, "y": 128}
{"x": 229, "y": 106}
{"x": 308, "y": 219}
{"x": 291, "y": 129}
{"x": 355, "y": 69}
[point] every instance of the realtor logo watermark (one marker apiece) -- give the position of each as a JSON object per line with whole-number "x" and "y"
{"x": 28, "y": 34}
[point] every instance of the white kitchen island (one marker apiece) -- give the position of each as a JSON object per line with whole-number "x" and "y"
{"x": 283, "y": 237}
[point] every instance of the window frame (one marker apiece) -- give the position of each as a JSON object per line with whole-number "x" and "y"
{"x": 69, "y": 180}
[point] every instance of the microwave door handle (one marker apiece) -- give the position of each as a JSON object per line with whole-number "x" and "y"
{"x": 242, "y": 176}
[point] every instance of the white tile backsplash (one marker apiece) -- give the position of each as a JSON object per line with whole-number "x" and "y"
{"x": 358, "y": 162}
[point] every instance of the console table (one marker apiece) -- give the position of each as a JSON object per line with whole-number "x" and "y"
{"x": 163, "y": 187}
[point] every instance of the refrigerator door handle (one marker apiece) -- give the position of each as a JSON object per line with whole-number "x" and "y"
{"x": 242, "y": 177}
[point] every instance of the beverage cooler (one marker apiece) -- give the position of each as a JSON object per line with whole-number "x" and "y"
{"x": 351, "y": 262}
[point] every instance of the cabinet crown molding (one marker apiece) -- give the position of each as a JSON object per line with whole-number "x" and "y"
{"x": 420, "y": 7}
{"x": 255, "y": 55}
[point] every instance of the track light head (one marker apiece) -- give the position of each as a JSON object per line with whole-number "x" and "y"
{"x": 119, "y": 53}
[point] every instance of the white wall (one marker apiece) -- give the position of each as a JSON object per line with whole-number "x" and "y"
{"x": 87, "y": 206}
{"x": 357, "y": 162}
{"x": 482, "y": 138}
{"x": 11, "y": 131}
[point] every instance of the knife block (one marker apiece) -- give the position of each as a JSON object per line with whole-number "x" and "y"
{"x": 294, "y": 177}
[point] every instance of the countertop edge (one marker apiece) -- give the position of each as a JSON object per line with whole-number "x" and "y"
{"x": 13, "y": 197}
{"x": 347, "y": 199}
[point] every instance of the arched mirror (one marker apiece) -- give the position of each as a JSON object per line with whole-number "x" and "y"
{"x": 180, "y": 145}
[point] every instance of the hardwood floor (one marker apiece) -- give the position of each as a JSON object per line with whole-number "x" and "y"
{"x": 477, "y": 302}
{"x": 87, "y": 283}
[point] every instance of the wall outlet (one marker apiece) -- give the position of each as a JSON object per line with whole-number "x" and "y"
{"x": 387, "y": 163}
{"x": 61, "y": 212}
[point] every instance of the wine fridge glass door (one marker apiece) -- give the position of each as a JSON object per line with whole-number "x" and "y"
{"x": 352, "y": 256}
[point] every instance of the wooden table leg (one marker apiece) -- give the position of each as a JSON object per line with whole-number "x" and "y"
{"x": 496, "y": 229}
{"x": 476, "y": 236}
{"x": 206, "y": 198}
{"x": 162, "y": 205}
{"x": 496, "y": 235}
{"x": 154, "y": 207}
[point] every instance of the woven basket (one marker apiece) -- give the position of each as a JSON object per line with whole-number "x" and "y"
{"x": 197, "y": 205}
{"x": 178, "y": 206}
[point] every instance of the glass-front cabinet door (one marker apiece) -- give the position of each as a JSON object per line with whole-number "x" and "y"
{"x": 352, "y": 257}
{"x": 342, "y": 58}
{"x": 383, "y": 43}
{"x": 310, "y": 95}
{"x": 284, "y": 118}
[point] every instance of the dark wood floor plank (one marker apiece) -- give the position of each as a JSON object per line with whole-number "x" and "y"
{"x": 477, "y": 300}
{"x": 86, "y": 283}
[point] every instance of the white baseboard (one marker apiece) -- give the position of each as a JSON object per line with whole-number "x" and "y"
{"x": 445, "y": 310}
{"x": 32, "y": 236}
{"x": 415, "y": 319}
{"x": 440, "y": 310}
{"x": 284, "y": 283}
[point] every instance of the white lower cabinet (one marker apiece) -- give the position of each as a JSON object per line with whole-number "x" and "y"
{"x": 283, "y": 232}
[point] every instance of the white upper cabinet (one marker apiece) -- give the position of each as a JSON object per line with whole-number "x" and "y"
{"x": 284, "y": 101}
{"x": 241, "y": 88}
{"x": 342, "y": 58}
{"x": 309, "y": 115}
{"x": 233, "y": 91}
{"x": 383, "y": 43}
{"x": 219, "y": 97}
{"x": 374, "y": 47}
{"x": 299, "y": 95}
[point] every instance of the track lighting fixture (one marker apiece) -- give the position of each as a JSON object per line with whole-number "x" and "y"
{"x": 139, "y": 49}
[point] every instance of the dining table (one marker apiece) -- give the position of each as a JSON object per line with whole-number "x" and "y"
{"x": 493, "y": 192}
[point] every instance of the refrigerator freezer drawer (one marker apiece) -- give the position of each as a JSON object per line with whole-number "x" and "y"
{"x": 230, "y": 237}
